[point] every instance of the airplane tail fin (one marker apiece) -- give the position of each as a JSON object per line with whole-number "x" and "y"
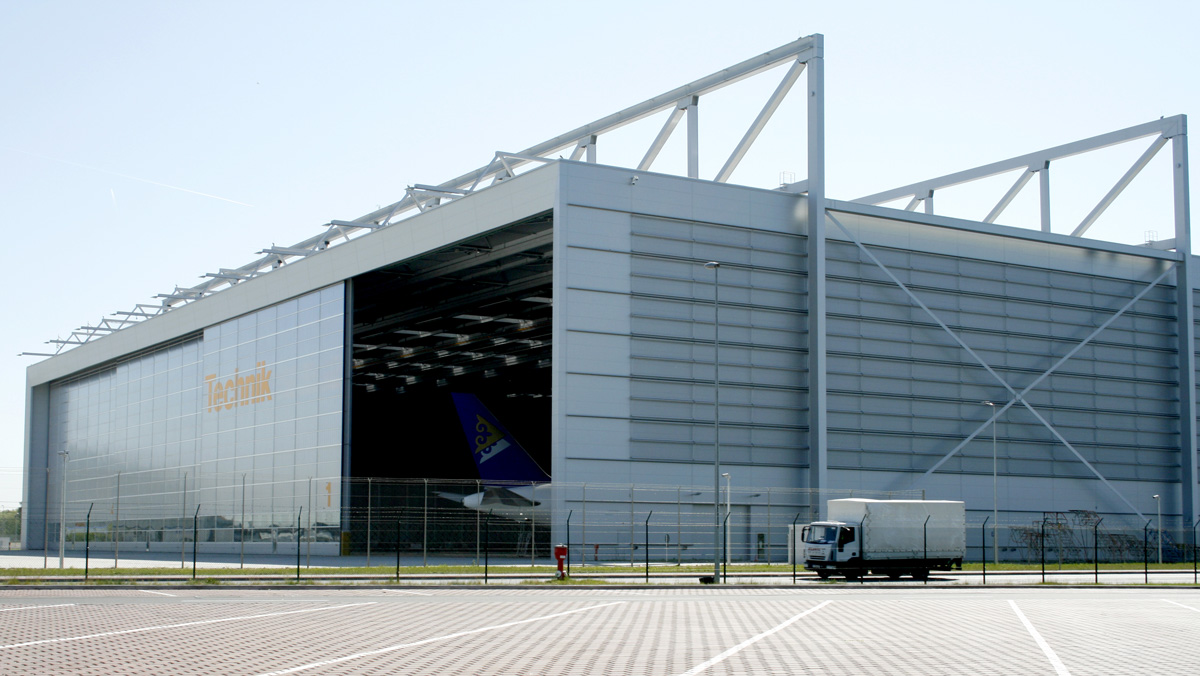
{"x": 498, "y": 455}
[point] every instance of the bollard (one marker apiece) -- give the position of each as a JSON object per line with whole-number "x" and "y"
{"x": 560, "y": 556}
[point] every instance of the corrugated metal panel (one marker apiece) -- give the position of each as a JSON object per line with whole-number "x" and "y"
{"x": 903, "y": 393}
{"x": 763, "y": 403}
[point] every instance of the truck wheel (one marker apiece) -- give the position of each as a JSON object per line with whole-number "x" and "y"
{"x": 920, "y": 575}
{"x": 823, "y": 574}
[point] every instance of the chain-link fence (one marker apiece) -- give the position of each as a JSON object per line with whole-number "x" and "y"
{"x": 1082, "y": 537}
{"x": 10, "y": 529}
{"x": 465, "y": 520}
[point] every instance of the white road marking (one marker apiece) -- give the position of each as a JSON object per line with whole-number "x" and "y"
{"x": 181, "y": 624}
{"x": 1183, "y": 606}
{"x": 56, "y": 605}
{"x": 1059, "y": 667}
{"x": 752, "y": 640}
{"x": 405, "y": 591}
{"x": 147, "y": 591}
{"x": 371, "y": 653}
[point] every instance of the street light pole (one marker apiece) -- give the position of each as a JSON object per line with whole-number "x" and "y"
{"x": 716, "y": 268}
{"x": 1158, "y": 503}
{"x": 995, "y": 501}
{"x": 62, "y": 513}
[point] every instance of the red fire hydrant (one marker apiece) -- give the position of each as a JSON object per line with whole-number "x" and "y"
{"x": 560, "y": 555}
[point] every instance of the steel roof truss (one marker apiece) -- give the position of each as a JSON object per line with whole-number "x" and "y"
{"x": 760, "y": 122}
{"x": 503, "y": 165}
{"x": 1120, "y": 186}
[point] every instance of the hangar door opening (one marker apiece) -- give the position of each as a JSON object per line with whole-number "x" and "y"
{"x": 453, "y": 342}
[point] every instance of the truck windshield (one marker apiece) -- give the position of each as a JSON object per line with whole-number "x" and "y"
{"x": 822, "y": 535}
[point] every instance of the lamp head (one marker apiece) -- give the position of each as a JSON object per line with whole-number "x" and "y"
{"x": 712, "y": 265}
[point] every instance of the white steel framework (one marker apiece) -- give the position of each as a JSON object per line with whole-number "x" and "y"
{"x": 583, "y": 141}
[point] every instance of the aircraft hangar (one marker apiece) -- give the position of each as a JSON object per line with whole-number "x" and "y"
{"x": 627, "y": 326}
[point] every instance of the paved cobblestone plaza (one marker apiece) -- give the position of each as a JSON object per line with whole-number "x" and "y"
{"x": 606, "y": 631}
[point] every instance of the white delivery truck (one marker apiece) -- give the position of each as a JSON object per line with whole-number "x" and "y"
{"x": 890, "y": 537}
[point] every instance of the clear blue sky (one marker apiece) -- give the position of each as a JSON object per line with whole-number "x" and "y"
{"x": 146, "y": 143}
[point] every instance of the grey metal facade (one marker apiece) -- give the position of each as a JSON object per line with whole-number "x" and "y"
{"x": 1102, "y": 430}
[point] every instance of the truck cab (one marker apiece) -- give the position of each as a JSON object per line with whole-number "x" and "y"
{"x": 829, "y": 546}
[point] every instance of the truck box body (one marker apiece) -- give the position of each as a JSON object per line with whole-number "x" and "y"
{"x": 894, "y": 529}
{"x": 892, "y": 537}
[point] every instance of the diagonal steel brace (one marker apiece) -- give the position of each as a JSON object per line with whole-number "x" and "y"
{"x": 1014, "y": 394}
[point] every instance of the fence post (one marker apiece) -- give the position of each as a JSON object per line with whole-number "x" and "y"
{"x": 398, "y": 522}
{"x": 768, "y": 542}
{"x": 87, "y": 540}
{"x": 1194, "y": 551}
{"x": 725, "y": 549}
{"x": 487, "y": 544}
{"x": 368, "y": 522}
{"x": 195, "y": 537}
{"x": 678, "y": 526}
{"x": 308, "y": 537}
{"x": 1096, "y": 551}
{"x": 1146, "y": 553}
{"x": 983, "y": 546}
{"x": 795, "y": 552}
{"x": 532, "y": 523}
{"x": 478, "y": 489}
{"x": 299, "y": 515}
{"x": 924, "y": 547}
{"x": 569, "y": 542}
{"x": 632, "y": 503}
{"x": 182, "y": 516}
{"x": 425, "y": 527}
{"x": 647, "y": 545}
{"x": 46, "y": 521}
{"x": 1042, "y": 546}
{"x": 117, "y": 527}
{"x": 242, "y": 560}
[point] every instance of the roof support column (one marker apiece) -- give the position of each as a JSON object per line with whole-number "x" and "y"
{"x": 1184, "y": 306}
{"x": 1044, "y": 195}
{"x": 818, "y": 462}
{"x": 693, "y": 138}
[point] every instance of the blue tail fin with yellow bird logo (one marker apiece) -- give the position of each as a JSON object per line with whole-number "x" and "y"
{"x": 498, "y": 455}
